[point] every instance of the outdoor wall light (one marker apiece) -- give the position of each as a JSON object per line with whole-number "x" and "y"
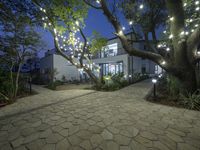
{"x": 198, "y": 52}
{"x": 154, "y": 81}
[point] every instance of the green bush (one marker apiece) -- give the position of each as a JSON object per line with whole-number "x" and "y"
{"x": 53, "y": 85}
{"x": 7, "y": 86}
{"x": 112, "y": 82}
{"x": 191, "y": 100}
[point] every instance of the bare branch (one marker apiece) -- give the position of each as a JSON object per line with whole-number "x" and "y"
{"x": 96, "y": 7}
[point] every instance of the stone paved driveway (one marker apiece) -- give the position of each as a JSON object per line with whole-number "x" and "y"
{"x": 119, "y": 120}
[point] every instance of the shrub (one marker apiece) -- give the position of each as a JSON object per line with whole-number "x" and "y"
{"x": 191, "y": 100}
{"x": 53, "y": 85}
{"x": 112, "y": 82}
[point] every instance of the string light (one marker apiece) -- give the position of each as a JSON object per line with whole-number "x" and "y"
{"x": 163, "y": 62}
{"x": 77, "y": 23}
{"x": 171, "y": 36}
{"x": 130, "y": 22}
{"x": 168, "y": 49}
{"x": 141, "y": 6}
{"x": 171, "y": 18}
{"x": 120, "y": 32}
{"x": 123, "y": 28}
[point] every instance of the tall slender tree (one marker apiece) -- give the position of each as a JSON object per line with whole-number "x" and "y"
{"x": 18, "y": 39}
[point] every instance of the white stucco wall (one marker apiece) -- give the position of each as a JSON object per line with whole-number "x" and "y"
{"x": 65, "y": 69}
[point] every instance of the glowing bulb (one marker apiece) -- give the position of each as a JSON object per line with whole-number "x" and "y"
{"x": 154, "y": 81}
{"x": 120, "y": 32}
{"x": 197, "y": 9}
{"x": 43, "y": 18}
{"x": 197, "y": 2}
{"x": 171, "y": 36}
{"x": 171, "y": 18}
{"x": 185, "y": 4}
{"x": 192, "y": 30}
{"x": 77, "y": 23}
{"x": 186, "y": 33}
{"x": 97, "y": 1}
{"x": 123, "y": 28}
{"x": 49, "y": 23}
{"x": 141, "y": 6}
{"x": 196, "y": 25}
{"x": 182, "y": 33}
{"x": 168, "y": 49}
{"x": 190, "y": 20}
{"x": 131, "y": 22}
{"x": 163, "y": 62}
{"x": 54, "y": 30}
{"x": 198, "y": 52}
{"x": 159, "y": 45}
{"x": 45, "y": 25}
{"x": 165, "y": 32}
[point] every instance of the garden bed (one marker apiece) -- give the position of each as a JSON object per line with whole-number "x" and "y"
{"x": 23, "y": 94}
{"x": 165, "y": 97}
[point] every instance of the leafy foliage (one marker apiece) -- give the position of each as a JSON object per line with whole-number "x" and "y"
{"x": 151, "y": 17}
{"x": 191, "y": 100}
{"x": 97, "y": 43}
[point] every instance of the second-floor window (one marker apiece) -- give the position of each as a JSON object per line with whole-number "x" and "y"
{"x": 109, "y": 50}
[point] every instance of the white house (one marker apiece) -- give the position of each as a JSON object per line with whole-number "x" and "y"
{"x": 59, "y": 66}
{"x": 112, "y": 60}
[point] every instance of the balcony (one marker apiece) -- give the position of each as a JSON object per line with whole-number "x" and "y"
{"x": 104, "y": 55}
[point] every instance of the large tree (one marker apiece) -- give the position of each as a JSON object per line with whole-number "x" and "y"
{"x": 18, "y": 39}
{"x": 65, "y": 20}
{"x": 180, "y": 46}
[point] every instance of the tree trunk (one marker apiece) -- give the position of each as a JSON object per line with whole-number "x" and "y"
{"x": 93, "y": 77}
{"x": 17, "y": 81}
{"x": 154, "y": 35}
{"x": 187, "y": 79}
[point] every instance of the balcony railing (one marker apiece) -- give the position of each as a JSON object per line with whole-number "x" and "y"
{"x": 119, "y": 52}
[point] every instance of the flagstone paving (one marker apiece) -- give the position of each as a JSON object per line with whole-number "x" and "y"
{"x": 120, "y": 120}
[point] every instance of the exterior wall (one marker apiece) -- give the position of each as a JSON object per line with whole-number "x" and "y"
{"x": 46, "y": 63}
{"x": 65, "y": 69}
{"x": 62, "y": 67}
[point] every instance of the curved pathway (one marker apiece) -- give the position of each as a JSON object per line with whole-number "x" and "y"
{"x": 120, "y": 120}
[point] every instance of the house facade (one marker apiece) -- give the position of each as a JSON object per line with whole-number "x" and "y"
{"x": 112, "y": 60}
{"x": 56, "y": 67}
